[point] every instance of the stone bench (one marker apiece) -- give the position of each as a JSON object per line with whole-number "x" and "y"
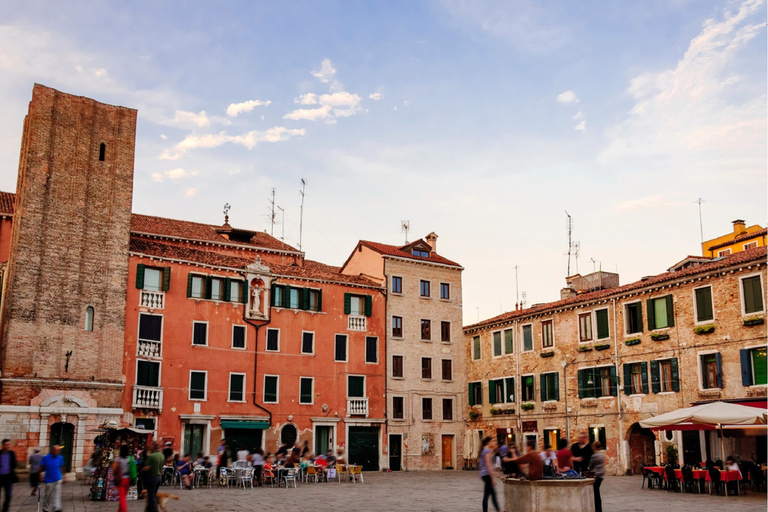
{"x": 573, "y": 495}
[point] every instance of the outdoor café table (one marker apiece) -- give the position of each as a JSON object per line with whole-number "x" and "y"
{"x": 198, "y": 472}
{"x": 730, "y": 476}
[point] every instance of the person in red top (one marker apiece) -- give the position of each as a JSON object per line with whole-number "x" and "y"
{"x": 564, "y": 456}
{"x": 533, "y": 459}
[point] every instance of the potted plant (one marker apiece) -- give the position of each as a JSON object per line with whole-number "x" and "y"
{"x": 585, "y": 348}
{"x": 527, "y": 407}
{"x": 704, "y": 329}
{"x": 633, "y": 341}
{"x": 548, "y": 354}
{"x": 671, "y": 454}
{"x": 473, "y": 415}
{"x": 602, "y": 347}
{"x": 660, "y": 337}
{"x": 755, "y": 320}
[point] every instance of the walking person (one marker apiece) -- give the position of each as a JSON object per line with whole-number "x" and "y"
{"x": 34, "y": 468}
{"x": 52, "y": 474}
{"x": 153, "y": 467}
{"x": 582, "y": 453}
{"x": 487, "y": 448}
{"x": 121, "y": 475}
{"x": 597, "y": 467}
{"x": 7, "y": 472}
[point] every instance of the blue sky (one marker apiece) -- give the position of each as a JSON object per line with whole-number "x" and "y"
{"x": 481, "y": 121}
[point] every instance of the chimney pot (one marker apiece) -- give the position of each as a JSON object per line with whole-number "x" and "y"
{"x": 739, "y": 227}
{"x": 432, "y": 241}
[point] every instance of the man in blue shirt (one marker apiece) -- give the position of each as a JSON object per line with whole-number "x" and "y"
{"x": 7, "y": 472}
{"x": 52, "y": 475}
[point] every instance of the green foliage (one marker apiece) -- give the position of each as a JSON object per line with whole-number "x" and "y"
{"x": 704, "y": 329}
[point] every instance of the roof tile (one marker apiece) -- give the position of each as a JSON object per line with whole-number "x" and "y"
{"x": 393, "y": 250}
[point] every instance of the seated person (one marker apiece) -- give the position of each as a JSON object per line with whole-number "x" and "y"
{"x": 340, "y": 457}
{"x": 509, "y": 467}
{"x": 329, "y": 458}
{"x": 565, "y": 458}
{"x": 549, "y": 459}
{"x": 732, "y": 465}
{"x": 305, "y": 462}
{"x": 533, "y": 460}
{"x": 184, "y": 467}
{"x": 199, "y": 459}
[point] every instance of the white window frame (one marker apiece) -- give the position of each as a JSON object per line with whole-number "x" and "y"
{"x": 245, "y": 337}
{"x": 627, "y": 334}
{"x": 660, "y": 360}
{"x": 522, "y": 377}
{"x": 365, "y": 386}
{"x": 421, "y": 337}
{"x": 312, "y": 381}
{"x": 223, "y": 287}
{"x": 229, "y": 390}
{"x": 653, "y": 302}
{"x": 205, "y": 390}
{"x": 501, "y": 345}
{"x": 402, "y": 282}
{"x": 393, "y": 407}
{"x": 266, "y": 339}
{"x": 696, "y": 320}
{"x": 207, "y": 332}
{"x": 548, "y": 373}
{"x": 150, "y": 360}
{"x": 242, "y": 285}
{"x": 551, "y": 321}
{"x": 522, "y": 338}
{"x": 592, "y": 322}
{"x": 647, "y": 369}
{"x": 346, "y": 348}
{"x": 723, "y": 253}
{"x": 202, "y": 287}
{"x": 750, "y": 348}
{"x": 277, "y": 389}
{"x": 503, "y": 379}
{"x": 741, "y": 293}
{"x": 480, "y": 346}
{"x": 162, "y": 334}
{"x": 700, "y": 369}
{"x": 302, "y": 343}
{"x": 392, "y": 329}
{"x": 431, "y": 369}
{"x": 750, "y": 245}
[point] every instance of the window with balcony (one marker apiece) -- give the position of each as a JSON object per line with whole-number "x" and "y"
{"x": 447, "y": 409}
{"x": 340, "y": 349}
{"x": 398, "y": 412}
{"x": 635, "y": 378}
{"x": 447, "y": 369}
{"x": 426, "y": 408}
{"x": 147, "y": 373}
{"x": 550, "y": 386}
{"x": 633, "y": 317}
{"x": 711, "y": 370}
{"x": 149, "y": 342}
{"x": 547, "y": 339}
{"x": 661, "y": 312}
{"x": 752, "y": 294}
{"x": 238, "y": 336}
{"x": 371, "y": 349}
{"x": 703, "y": 304}
{"x": 153, "y": 279}
{"x": 273, "y": 340}
{"x": 426, "y": 368}
{"x": 527, "y": 386}
{"x": 527, "y": 338}
{"x": 306, "y": 395}
{"x": 665, "y": 376}
{"x": 445, "y": 291}
{"x": 307, "y": 342}
{"x": 426, "y": 330}
{"x": 237, "y": 387}
{"x": 397, "y": 327}
{"x": 753, "y": 366}
{"x": 397, "y": 367}
{"x": 197, "y": 384}
{"x": 357, "y": 305}
{"x": 271, "y": 389}
{"x": 200, "y": 333}
{"x": 475, "y": 393}
{"x": 355, "y": 386}
{"x": 423, "y": 288}
{"x": 397, "y": 284}
{"x": 445, "y": 332}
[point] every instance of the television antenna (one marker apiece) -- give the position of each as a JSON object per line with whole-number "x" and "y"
{"x": 272, "y": 215}
{"x": 576, "y": 248}
{"x": 301, "y": 211}
{"x": 404, "y": 227}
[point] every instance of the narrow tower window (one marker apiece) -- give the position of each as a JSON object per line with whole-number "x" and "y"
{"x": 102, "y": 150}
{"x": 89, "y": 318}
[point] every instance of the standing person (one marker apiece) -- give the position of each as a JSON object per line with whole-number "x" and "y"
{"x": 533, "y": 459}
{"x": 487, "y": 448}
{"x": 153, "y": 467}
{"x": 582, "y": 452}
{"x": 7, "y": 472}
{"x": 243, "y": 453}
{"x": 564, "y": 458}
{"x": 52, "y": 474}
{"x": 121, "y": 475}
{"x": 34, "y": 467}
{"x": 510, "y": 467}
{"x": 258, "y": 465}
{"x": 597, "y": 466}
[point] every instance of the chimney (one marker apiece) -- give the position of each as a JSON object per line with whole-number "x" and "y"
{"x": 739, "y": 227}
{"x": 432, "y": 241}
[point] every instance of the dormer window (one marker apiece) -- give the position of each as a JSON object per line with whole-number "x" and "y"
{"x": 419, "y": 252}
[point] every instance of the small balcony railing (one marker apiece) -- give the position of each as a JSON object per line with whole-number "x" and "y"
{"x": 146, "y": 397}
{"x": 148, "y": 348}
{"x": 356, "y": 323}
{"x": 152, "y": 300}
{"x": 357, "y": 407}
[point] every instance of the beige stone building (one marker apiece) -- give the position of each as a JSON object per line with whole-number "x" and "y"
{"x": 605, "y": 357}
{"x": 426, "y": 381}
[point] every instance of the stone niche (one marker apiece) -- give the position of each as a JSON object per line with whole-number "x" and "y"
{"x": 259, "y": 279}
{"x": 574, "y": 495}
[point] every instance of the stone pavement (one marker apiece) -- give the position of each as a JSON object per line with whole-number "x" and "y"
{"x": 455, "y": 491}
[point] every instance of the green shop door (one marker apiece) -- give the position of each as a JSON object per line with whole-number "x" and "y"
{"x": 193, "y": 440}
{"x": 63, "y": 434}
{"x": 363, "y": 447}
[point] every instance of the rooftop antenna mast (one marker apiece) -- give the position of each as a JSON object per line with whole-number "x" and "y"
{"x": 576, "y": 249}
{"x": 404, "y": 227}
{"x": 569, "y": 244}
{"x": 301, "y": 211}
{"x": 272, "y": 215}
{"x": 701, "y": 223}
{"x": 524, "y": 302}
{"x": 282, "y": 237}
{"x": 517, "y": 296}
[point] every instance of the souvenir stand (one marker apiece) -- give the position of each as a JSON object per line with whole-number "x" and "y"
{"x": 108, "y": 442}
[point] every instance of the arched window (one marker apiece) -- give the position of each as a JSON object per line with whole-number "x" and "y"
{"x": 102, "y": 151}
{"x": 288, "y": 434}
{"x": 89, "y": 318}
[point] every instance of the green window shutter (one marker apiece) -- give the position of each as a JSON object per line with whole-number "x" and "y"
{"x": 614, "y": 384}
{"x": 491, "y": 391}
{"x": 304, "y": 299}
{"x": 602, "y": 324}
{"x": 670, "y": 311}
{"x": 286, "y": 296}
{"x": 746, "y": 367}
{"x": 627, "y": 379}
{"x": 471, "y": 394}
{"x": 704, "y": 304}
{"x": 557, "y": 386}
{"x": 227, "y": 289}
{"x": 719, "y": 368}
{"x": 759, "y": 366}
{"x": 655, "y": 377}
{"x": 166, "y": 279}
{"x": 753, "y": 295}
{"x": 272, "y": 296}
{"x": 675, "y": 375}
{"x": 543, "y": 387}
{"x": 368, "y": 305}
{"x": 208, "y": 286}
{"x": 644, "y": 375}
{"x": 651, "y": 313}
{"x": 189, "y": 285}
{"x": 510, "y": 390}
{"x": 244, "y": 292}
{"x": 140, "y": 276}
{"x": 347, "y": 303}
{"x": 319, "y": 300}
{"x": 581, "y": 382}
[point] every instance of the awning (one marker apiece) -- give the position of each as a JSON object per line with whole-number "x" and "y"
{"x": 261, "y": 425}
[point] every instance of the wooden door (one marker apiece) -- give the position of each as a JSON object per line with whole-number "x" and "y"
{"x": 395, "y": 452}
{"x": 447, "y": 452}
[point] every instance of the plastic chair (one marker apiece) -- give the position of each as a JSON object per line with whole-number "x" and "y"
{"x": 672, "y": 480}
{"x": 688, "y": 483}
{"x": 290, "y": 475}
{"x": 715, "y": 480}
{"x": 246, "y": 477}
{"x": 340, "y": 469}
{"x": 310, "y": 472}
{"x": 355, "y": 472}
{"x": 646, "y": 476}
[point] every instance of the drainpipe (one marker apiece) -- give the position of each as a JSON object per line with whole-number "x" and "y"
{"x": 518, "y": 385}
{"x": 620, "y": 453}
{"x": 256, "y": 350}
{"x": 566, "y": 364}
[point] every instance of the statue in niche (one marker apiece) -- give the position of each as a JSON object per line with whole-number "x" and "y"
{"x": 255, "y": 309}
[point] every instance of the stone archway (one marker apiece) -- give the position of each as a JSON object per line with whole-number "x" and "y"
{"x": 642, "y": 444}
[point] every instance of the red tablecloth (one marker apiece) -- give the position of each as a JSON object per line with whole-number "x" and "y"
{"x": 725, "y": 476}
{"x": 728, "y": 476}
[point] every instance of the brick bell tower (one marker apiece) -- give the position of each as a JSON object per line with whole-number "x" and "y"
{"x": 63, "y": 309}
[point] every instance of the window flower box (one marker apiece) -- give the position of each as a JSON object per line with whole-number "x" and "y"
{"x": 602, "y": 347}
{"x": 704, "y": 329}
{"x": 585, "y": 349}
{"x": 633, "y": 341}
{"x": 755, "y": 320}
{"x": 527, "y": 407}
{"x": 547, "y": 354}
{"x": 659, "y": 337}
{"x": 473, "y": 415}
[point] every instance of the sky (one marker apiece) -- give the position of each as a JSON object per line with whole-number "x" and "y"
{"x": 483, "y": 121}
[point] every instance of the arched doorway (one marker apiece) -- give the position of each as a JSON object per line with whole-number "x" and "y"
{"x": 63, "y": 434}
{"x": 288, "y": 435}
{"x": 641, "y": 448}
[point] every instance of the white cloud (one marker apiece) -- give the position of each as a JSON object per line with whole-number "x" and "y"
{"x": 156, "y": 176}
{"x": 334, "y": 105}
{"x": 326, "y": 73}
{"x": 567, "y": 97}
{"x": 375, "y": 96}
{"x": 213, "y": 140}
{"x": 238, "y": 108}
{"x": 173, "y": 174}
{"x": 190, "y": 192}
{"x": 581, "y": 126}
{"x": 651, "y": 202}
{"x": 200, "y": 120}
{"x": 309, "y": 114}
{"x": 163, "y": 136}
{"x": 407, "y": 103}
{"x": 579, "y": 116}
{"x": 306, "y": 99}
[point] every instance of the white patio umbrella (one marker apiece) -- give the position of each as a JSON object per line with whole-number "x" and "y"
{"x": 715, "y": 414}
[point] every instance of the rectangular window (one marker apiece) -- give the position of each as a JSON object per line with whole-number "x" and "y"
{"x": 307, "y": 342}
{"x": 445, "y": 331}
{"x": 476, "y": 348}
{"x": 197, "y": 385}
{"x": 703, "y": 304}
{"x": 496, "y": 394}
{"x": 397, "y": 408}
{"x": 664, "y": 376}
{"x": 496, "y": 339}
{"x": 312, "y": 299}
{"x": 397, "y": 366}
{"x": 150, "y": 335}
{"x": 753, "y": 366}
{"x": 147, "y": 373}
{"x": 305, "y": 390}
{"x": 447, "y": 409}
{"x": 724, "y": 252}
{"x": 750, "y": 245}
{"x": 199, "y": 333}
{"x": 509, "y": 341}
{"x": 550, "y": 387}
{"x": 217, "y": 288}
{"x": 426, "y": 330}
{"x": 475, "y": 393}
{"x": 601, "y": 319}
{"x": 635, "y": 378}
{"x": 661, "y": 313}
{"x": 585, "y": 327}
{"x": 235, "y": 291}
{"x": 607, "y": 381}
{"x": 355, "y": 386}
{"x": 634, "y": 314}
{"x": 271, "y": 394}
{"x": 238, "y": 336}
{"x": 294, "y": 298}
{"x": 358, "y": 305}
{"x": 273, "y": 339}
{"x": 371, "y": 349}
{"x": 277, "y": 296}
{"x": 711, "y": 371}
{"x": 447, "y": 369}
{"x": 340, "y": 352}
{"x": 426, "y": 367}
{"x": 237, "y": 387}
{"x": 426, "y": 408}
{"x": 597, "y": 382}
{"x": 597, "y": 434}
{"x": 197, "y": 287}
{"x": 527, "y": 338}
{"x": 397, "y": 284}
{"x": 445, "y": 291}
{"x": 424, "y": 288}
{"x": 153, "y": 279}
{"x": 547, "y": 341}
{"x": 397, "y": 327}
{"x": 753, "y": 294}
{"x": 527, "y": 388}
